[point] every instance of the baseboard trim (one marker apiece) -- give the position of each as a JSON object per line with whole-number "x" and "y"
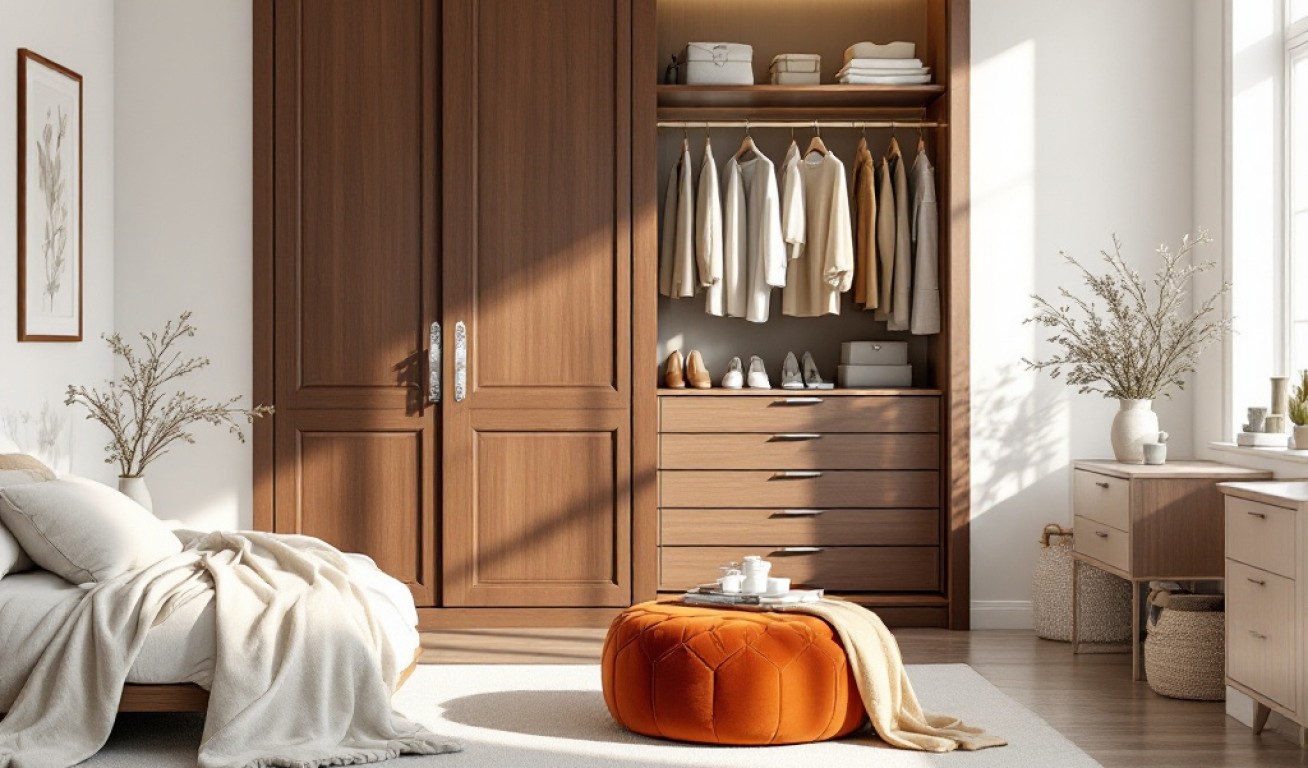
{"x": 1001, "y": 614}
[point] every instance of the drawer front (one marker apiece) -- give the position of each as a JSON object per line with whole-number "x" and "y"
{"x": 799, "y": 412}
{"x": 1102, "y": 542}
{"x": 826, "y": 527}
{"x": 798, "y": 450}
{"x": 839, "y": 569}
{"x": 1260, "y": 535}
{"x": 1260, "y": 634}
{"x": 1103, "y": 498}
{"x": 801, "y": 488}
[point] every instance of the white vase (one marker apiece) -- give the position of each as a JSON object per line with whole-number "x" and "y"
{"x": 1300, "y": 437}
{"x": 134, "y": 488}
{"x": 1134, "y": 425}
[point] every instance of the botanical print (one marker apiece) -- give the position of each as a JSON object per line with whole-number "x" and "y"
{"x": 49, "y": 149}
{"x": 47, "y": 435}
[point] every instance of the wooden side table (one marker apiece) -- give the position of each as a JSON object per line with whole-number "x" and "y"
{"x": 1149, "y": 523}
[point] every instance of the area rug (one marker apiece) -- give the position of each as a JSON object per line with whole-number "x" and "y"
{"x": 554, "y": 717}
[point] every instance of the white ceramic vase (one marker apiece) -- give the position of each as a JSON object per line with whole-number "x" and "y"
{"x": 135, "y": 489}
{"x": 1134, "y": 425}
{"x": 1301, "y": 437}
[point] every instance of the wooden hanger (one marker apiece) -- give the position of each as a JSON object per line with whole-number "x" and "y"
{"x": 747, "y": 145}
{"x": 921, "y": 139}
{"x": 816, "y": 144}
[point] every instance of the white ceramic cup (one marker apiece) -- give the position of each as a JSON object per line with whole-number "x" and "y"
{"x": 1155, "y": 453}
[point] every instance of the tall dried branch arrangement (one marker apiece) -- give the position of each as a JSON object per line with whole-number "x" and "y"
{"x": 1134, "y": 339}
{"x": 144, "y": 420}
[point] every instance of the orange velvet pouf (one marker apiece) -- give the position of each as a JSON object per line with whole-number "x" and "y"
{"x": 713, "y": 676}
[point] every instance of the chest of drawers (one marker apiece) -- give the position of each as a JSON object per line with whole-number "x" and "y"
{"x": 840, "y": 490}
{"x": 1267, "y": 597}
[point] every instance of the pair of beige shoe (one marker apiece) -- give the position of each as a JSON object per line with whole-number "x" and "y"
{"x": 677, "y": 374}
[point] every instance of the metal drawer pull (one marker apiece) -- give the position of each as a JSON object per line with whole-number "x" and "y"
{"x": 799, "y": 401}
{"x": 1258, "y": 635}
{"x": 801, "y": 512}
{"x": 434, "y": 364}
{"x": 799, "y": 550}
{"x": 797, "y": 436}
{"x": 1102, "y": 534}
{"x": 460, "y": 361}
{"x": 1259, "y": 582}
{"x": 1102, "y": 485}
{"x": 1259, "y": 515}
{"x": 792, "y": 475}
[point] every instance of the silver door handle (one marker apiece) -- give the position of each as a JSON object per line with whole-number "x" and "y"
{"x": 1259, "y": 582}
{"x": 799, "y": 401}
{"x": 801, "y": 512}
{"x": 434, "y": 364}
{"x": 1102, "y": 485}
{"x": 460, "y": 361}
{"x": 798, "y": 550}
{"x": 792, "y": 475}
{"x": 1259, "y": 515}
{"x": 1102, "y": 534}
{"x": 797, "y": 436}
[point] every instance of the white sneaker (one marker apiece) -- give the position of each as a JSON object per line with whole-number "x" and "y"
{"x": 813, "y": 379}
{"x": 734, "y": 378}
{"x": 790, "y": 373}
{"x": 758, "y": 375}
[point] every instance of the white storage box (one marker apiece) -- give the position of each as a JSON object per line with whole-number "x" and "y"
{"x": 805, "y": 63}
{"x": 717, "y": 64}
{"x": 796, "y": 78}
{"x": 874, "y": 353}
{"x": 859, "y": 376}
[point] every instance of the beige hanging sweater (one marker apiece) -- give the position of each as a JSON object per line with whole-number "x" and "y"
{"x": 825, "y": 269}
{"x": 677, "y": 277}
{"x": 866, "y": 285}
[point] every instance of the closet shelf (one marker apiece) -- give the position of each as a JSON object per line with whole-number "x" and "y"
{"x": 779, "y": 392}
{"x": 678, "y": 102}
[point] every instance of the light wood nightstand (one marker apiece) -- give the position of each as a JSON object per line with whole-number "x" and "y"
{"x": 1149, "y": 523}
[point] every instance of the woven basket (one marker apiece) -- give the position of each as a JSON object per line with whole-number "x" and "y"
{"x": 1105, "y": 599}
{"x": 1185, "y": 650}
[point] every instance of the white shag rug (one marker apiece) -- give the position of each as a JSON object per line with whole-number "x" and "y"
{"x": 514, "y": 716}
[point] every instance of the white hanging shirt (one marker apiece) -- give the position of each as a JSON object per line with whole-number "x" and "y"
{"x": 677, "y": 256}
{"x": 753, "y": 253}
{"x": 792, "y": 203}
{"x": 708, "y": 221}
{"x": 825, "y": 270}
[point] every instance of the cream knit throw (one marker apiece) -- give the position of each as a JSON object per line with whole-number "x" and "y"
{"x": 302, "y": 677}
{"x": 887, "y": 694}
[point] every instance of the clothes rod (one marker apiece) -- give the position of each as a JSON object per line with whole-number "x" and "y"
{"x": 751, "y": 124}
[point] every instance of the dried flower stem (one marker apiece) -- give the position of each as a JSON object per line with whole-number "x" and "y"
{"x": 145, "y": 421}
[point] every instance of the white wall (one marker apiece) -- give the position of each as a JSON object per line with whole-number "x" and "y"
{"x": 184, "y": 222}
{"x": 79, "y": 35}
{"x": 1081, "y": 128}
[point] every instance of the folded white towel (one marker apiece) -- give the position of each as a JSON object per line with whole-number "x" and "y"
{"x": 896, "y": 50}
{"x": 886, "y": 79}
{"x": 875, "y": 71}
{"x": 885, "y": 63}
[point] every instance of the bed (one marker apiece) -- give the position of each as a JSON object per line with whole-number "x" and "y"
{"x": 175, "y": 668}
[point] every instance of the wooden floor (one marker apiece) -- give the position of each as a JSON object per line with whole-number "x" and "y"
{"x": 1090, "y": 699}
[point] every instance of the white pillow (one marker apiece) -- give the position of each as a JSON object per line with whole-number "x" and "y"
{"x": 84, "y": 532}
{"x": 12, "y": 557}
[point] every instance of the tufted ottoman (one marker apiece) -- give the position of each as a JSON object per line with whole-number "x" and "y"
{"x": 728, "y": 677}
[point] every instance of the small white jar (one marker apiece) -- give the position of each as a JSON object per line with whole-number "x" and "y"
{"x": 756, "y": 575}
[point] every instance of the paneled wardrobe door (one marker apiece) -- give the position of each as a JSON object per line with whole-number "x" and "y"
{"x": 536, "y": 302}
{"x": 355, "y": 106}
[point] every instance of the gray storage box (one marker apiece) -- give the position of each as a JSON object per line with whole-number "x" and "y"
{"x": 861, "y": 376}
{"x": 874, "y": 353}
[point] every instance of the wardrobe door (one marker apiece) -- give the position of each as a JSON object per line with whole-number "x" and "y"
{"x": 536, "y": 266}
{"x": 355, "y": 110}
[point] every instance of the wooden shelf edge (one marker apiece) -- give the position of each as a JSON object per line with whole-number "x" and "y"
{"x": 766, "y": 96}
{"x": 719, "y": 392}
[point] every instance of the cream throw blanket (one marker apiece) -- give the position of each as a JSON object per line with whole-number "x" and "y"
{"x": 887, "y": 694}
{"x": 302, "y": 677}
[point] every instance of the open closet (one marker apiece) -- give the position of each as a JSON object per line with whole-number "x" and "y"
{"x": 458, "y": 208}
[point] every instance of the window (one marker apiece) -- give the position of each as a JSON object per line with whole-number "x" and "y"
{"x": 1296, "y": 220}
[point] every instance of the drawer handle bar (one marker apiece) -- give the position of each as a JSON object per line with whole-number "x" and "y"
{"x": 1259, "y": 515}
{"x": 798, "y": 550}
{"x": 801, "y": 512}
{"x": 793, "y": 475}
{"x": 1102, "y": 534}
{"x": 1259, "y": 582}
{"x": 797, "y": 436}
{"x": 1257, "y": 634}
{"x": 799, "y": 401}
{"x": 1102, "y": 484}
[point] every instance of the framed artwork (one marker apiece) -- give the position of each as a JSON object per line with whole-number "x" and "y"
{"x": 49, "y": 200}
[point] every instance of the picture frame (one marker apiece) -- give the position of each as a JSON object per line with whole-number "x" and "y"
{"x": 49, "y": 200}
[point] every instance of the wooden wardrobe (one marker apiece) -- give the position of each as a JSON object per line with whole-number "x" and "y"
{"x": 455, "y": 307}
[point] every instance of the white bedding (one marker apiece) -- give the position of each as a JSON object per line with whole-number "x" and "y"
{"x": 180, "y": 649}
